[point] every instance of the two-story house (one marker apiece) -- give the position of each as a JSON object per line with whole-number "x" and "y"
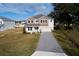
{"x": 39, "y": 23}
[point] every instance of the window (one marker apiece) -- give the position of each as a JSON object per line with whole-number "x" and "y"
{"x": 28, "y": 21}
{"x": 31, "y": 21}
{"x": 46, "y": 21}
{"x": 41, "y": 21}
{"x": 36, "y": 28}
{"x": 29, "y": 28}
{"x": 36, "y": 20}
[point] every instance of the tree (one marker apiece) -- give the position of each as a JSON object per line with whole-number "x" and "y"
{"x": 65, "y": 13}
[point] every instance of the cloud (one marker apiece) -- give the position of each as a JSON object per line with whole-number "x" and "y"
{"x": 22, "y": 8}
{"x": 15, "y": 8}
{"x": 40, "y": 8}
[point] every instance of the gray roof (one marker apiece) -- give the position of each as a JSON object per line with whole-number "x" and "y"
{"x": 6, "y": 19}
{"x": 38, "y": 17}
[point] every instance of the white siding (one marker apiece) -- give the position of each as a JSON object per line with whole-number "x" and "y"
{"x": 45, "y": 29}
{"x": 51, "y": 24}
{"x": 7, "y": 25}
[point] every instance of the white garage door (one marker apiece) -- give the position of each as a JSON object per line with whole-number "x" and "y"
{"x": 45, "y": 29}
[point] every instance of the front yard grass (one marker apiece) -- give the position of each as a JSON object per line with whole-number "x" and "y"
{"x": 14, "y": 43}
{"x": 69, "y": 41}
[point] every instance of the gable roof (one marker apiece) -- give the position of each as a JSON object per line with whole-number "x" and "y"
{"x": 6, "y": 19}
{"x": 37, "y": 16}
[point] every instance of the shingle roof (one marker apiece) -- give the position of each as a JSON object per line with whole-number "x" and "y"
{"x": 38, "y": 16}
{"x": 5, "y": 19}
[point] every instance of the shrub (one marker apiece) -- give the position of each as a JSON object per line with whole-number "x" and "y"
{"x": 24, "y": 32}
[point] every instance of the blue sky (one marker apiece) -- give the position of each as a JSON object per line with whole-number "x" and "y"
{"x": 21, "y": 11}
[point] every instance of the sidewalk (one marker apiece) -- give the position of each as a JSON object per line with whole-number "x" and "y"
{"x": 46, "y": 53}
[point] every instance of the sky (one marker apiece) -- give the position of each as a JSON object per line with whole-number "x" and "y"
{"x": 22, "y": 11}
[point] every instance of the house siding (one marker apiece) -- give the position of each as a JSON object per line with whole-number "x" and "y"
{"x": 7, "y": 25}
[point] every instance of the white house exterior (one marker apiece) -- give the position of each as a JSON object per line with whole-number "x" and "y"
{"x": 39, "y": 23}
{"x": 6, "y": 24}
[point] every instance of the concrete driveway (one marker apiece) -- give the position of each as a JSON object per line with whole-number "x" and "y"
{"x": 48, "y": 46}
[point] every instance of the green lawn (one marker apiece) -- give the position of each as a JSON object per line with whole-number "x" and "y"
{"x": 14, "y": 42}
{"x": 69, "y": 41}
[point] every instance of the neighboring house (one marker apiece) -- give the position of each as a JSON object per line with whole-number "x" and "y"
{"x": 6, "y": 24}
{"x": 20, "y": 23}
{"x": 39, "y": 23}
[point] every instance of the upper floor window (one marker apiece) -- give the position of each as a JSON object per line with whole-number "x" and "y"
{"x": 37, "y": 21}
{"x": 46, "y": 21}
{"x": 31, "y": 21}
{"x": 41, "y": 21}
{"x": 28, "y": 21}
